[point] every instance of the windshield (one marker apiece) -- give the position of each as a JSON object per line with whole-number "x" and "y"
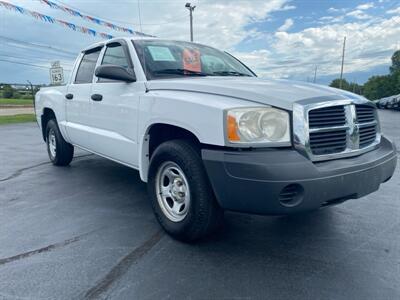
{"x": 170, "y": 59}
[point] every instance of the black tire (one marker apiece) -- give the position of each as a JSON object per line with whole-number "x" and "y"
{"x": 64, "y": 151}
{"x": 204, "y": 215}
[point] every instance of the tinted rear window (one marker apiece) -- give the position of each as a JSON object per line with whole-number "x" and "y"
{"x": 86, "y": 68}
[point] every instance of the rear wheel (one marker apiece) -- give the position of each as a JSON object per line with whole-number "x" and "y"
{"x": 60, "y": 152}
{"x": 181, "y": 196}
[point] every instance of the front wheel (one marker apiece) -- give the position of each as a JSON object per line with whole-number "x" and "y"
{"x": 60, "y": 152}
{"x": 181, "y": 196}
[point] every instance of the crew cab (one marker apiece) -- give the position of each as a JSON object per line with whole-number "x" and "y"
{"x": 208, "y": 135}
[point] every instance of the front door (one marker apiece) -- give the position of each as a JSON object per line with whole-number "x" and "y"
{"x": 78, "y": 100}
{"x": 114, "y": 110}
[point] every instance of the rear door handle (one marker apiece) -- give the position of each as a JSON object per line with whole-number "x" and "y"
{"x": 69, "y": 96}
{"x": 97, "y": 97}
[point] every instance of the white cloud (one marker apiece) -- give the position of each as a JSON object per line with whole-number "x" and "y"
{"x": 365, "y": 6}
{"x": 288, "y": 7}
{"x": 394, "y": 11}
{"x": 295, "y": 54}
{"x": 337, "y": 10}
{"x": 358, "y": 14}
{"x": 287, "y": 25}
{"x": 217, "y": 23}
{"x": 332, "y": 9}
{"x": 330, "y": 19}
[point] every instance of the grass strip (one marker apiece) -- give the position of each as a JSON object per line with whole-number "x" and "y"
{"x": 25, "y": 118}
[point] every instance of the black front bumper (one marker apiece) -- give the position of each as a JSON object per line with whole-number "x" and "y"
{"x": 282, "y": 181}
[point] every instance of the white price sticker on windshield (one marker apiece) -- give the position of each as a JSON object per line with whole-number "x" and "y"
{"x": 161, "y": 53}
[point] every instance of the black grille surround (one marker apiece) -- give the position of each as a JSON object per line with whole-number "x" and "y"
{"x": 339, "y": 129}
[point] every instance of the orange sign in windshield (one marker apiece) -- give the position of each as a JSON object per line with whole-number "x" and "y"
{"x": 191, "y": 60}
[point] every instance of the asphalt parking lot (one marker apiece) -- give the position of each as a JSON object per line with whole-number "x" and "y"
{"x": 87, "y": 232}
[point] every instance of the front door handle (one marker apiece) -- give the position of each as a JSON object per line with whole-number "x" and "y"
{"x": 97, "y": 97}
{"x": 69, "y": 96}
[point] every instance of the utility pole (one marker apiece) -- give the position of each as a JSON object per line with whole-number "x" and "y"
{"x": 32, "y": 91}
{"x": 341, "y": 71}
{"x": 191, "y": 8}
{"x": 315, "y": 74}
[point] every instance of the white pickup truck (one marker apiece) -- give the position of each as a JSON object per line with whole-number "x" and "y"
{"x": 207, "y": 135}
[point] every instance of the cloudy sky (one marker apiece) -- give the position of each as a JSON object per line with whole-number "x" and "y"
{"x": 277, "y": 38}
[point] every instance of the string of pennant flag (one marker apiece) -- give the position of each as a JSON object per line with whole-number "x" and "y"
{"x": 51, "y": 20}
{"x": 97, "y": 21}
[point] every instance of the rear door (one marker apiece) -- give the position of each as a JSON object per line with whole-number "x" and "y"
{"x": 114, "y": 109}
{"x": 78, "y": 99}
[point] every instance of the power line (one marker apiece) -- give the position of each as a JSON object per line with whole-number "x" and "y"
{"x": 43, "y": 46}
{"x": 5, "y": 54}
{"x": 28, "y": 64}
{"x": 44, "y": 52}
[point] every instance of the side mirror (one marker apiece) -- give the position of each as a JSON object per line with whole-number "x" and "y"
{"x": 115, "y": 72}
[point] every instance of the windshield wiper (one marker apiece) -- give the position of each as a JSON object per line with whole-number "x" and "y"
{"x": 180, "y": 72}
{"x": 230, "y": 73}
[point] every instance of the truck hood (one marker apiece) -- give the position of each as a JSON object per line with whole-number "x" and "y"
{"x": 278, "y": 93}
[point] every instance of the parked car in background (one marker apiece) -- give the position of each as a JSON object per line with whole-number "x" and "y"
{"x": 377, "y": 103}
{"x": 392, "y": 102}
{"x": 383, "y": 103}
{"x": 207, "y": 135}
{"x": 396, "y": 103}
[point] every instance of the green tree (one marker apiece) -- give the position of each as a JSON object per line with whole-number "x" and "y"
{"x": 8, "y": 91}
{"x": 380, "y": 86}
{"x": 336, "y": 84}
{"x": 396, "y": 80}
{"x": 351, "y": 87}
{"x": 395, "y": 67}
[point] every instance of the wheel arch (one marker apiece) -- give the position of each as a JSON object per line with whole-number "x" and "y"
{"x": 156, "y": 134}
{"x": 47, "y": 115}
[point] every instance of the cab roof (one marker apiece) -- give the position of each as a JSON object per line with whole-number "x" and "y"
{"x": 127, "y": 39}
{"x": 116, "y": 39}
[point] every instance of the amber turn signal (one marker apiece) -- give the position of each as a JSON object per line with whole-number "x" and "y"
{"x": 232, "y": 129}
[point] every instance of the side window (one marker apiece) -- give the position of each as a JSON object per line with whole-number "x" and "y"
{"x": 86, "y": 68}
{"x": 115, "y": 55}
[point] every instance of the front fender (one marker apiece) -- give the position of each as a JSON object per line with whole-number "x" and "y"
{"x": 199, "y": 113}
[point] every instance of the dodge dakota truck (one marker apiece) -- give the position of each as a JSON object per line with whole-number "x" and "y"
{"x": 208, "y": 135}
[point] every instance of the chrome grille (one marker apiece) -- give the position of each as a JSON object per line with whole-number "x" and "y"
{"x": 365, "y": 113}
{"x": 335, "y": 129}
{"x": 367, "y": 135}
{"x": 327, "y": 117}
{"x": 328, "y": 142}
{"x": 366, "y": 117}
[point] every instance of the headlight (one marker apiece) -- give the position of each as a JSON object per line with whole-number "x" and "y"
{"x": 259, "y": 125}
